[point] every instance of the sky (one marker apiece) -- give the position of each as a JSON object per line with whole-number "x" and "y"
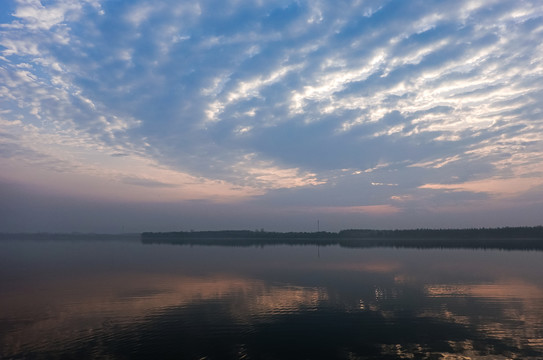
{"x": 165, "y": 115}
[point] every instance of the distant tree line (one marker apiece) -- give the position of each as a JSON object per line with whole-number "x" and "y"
{"x": 503, "y": 232}
{"x": 507, "y": 238}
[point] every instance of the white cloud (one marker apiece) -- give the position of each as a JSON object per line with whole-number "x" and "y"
{"x": 267, "y": 175}
{"x": 327, "y": 84}
{"x": 244, "y": 90}
{"x": 141, "y": 12}
{"x": 36, "y": 16}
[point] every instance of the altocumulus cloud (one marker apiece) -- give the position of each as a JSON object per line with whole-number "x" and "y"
{"x": 377, "y": 108}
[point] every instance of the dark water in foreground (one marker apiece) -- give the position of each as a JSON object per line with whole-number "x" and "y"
{"x": 63, "y": 299}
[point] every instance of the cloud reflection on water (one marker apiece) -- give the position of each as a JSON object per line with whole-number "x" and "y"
{"x": 279, "y": 302}
{"x": 94, "y": 305}
{"x": 514, "y": 309}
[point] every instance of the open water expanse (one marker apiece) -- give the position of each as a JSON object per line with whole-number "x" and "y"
{"x": 74, "y": 298}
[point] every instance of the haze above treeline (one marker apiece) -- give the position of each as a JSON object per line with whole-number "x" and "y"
{"x": 505, "y": 238}
{"x": 524, "y": 231}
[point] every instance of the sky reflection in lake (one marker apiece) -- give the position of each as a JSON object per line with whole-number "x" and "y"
{"x": 123, "y": 299}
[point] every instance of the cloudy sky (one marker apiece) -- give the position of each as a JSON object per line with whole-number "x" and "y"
{"x": 133, "y": 115}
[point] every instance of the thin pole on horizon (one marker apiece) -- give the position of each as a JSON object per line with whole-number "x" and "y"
{"x": 318, "y": 226}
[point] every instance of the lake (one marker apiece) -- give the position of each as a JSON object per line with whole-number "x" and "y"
{"x": 118, "y": 298}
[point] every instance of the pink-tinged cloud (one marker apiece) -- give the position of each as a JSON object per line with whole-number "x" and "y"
{"x": 495, "y": 186}
{"x": 384, "y": 209}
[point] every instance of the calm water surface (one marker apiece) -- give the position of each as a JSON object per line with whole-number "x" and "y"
{"x": 63, "y": 299}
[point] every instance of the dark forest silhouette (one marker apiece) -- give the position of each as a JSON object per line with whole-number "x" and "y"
{"x": 507, "y": 238}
